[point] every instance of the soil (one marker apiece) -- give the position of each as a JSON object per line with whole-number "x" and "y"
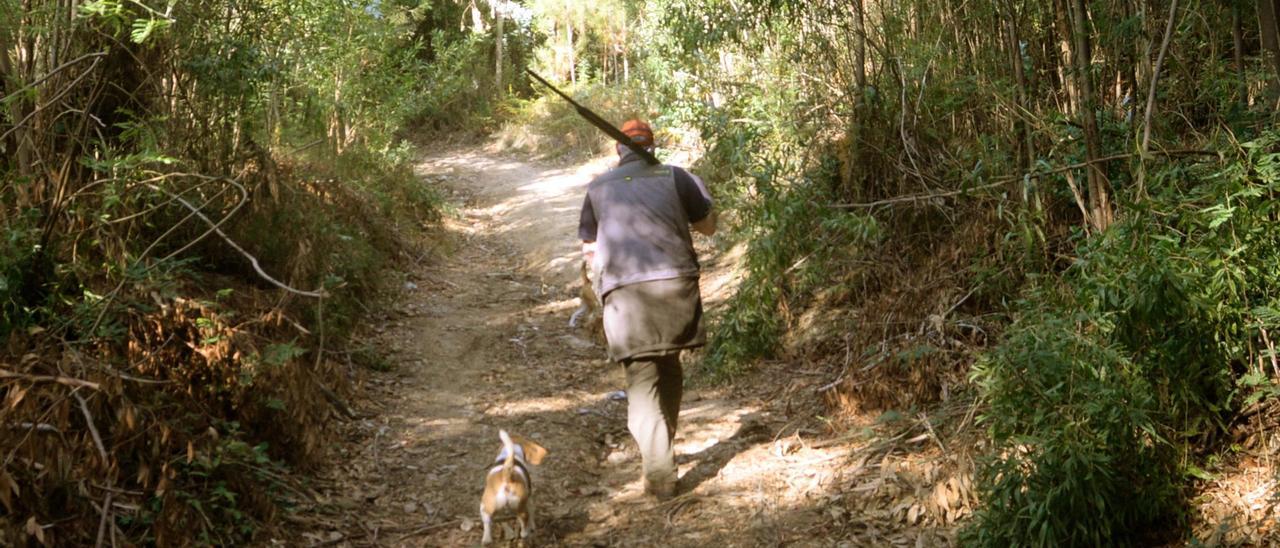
{"x": 478, "y": 340}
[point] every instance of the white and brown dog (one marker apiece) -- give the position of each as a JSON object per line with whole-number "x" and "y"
{"x": 508, "y": 488}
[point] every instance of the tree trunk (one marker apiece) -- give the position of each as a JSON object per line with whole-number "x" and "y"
{"x": 498, "y": 40}
{"x": 274, "y": 126}
{"x": 852, "y": 174}
{"x": 7, "y": 75}
{"x": 1127, "y": 95}
{"x": 1142, "y": 46}
{"x": 6, "y": 70}
{"x": 1062, "y": 20}
{"x": 1269, "y": 28}
{"x": 1099, "y": 201}
{"x": 573, "y": 55}
{"x": 859, "y": 48}
{"x": 1026, "y": 155}
{"x": 336, "y": 124}
{"x": 1237, "y": 53}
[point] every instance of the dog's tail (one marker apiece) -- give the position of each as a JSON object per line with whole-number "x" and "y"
{"x": 509, "y": 448}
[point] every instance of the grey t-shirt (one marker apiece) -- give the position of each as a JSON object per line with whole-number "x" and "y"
{"x": 639, "y": 217}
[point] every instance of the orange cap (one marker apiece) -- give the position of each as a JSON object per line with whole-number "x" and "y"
{"x": 639, "y": 132}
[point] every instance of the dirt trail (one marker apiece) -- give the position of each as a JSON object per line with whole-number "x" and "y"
{"x": 479, "y": 341}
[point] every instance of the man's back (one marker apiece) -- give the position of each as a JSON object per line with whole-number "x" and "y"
{"x": 639, "y": 217}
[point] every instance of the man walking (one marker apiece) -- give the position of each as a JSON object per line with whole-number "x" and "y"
{"x": 635, "y": 227}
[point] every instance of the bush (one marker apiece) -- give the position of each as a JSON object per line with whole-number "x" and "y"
{"x": 194, "y": 382}
{"x": 1108, "y": 388}
{"x": 1079, "y": 462}
{"x": 794, "y": 243}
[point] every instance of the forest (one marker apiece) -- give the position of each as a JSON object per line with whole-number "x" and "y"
{"x": 1038, "y": 238}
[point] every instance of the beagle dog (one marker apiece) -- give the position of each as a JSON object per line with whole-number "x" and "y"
{"x": 508, "y": 488}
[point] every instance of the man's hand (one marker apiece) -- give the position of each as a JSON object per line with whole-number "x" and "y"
{"x": 707, "y": 226}
{"x": 589, "y": 252}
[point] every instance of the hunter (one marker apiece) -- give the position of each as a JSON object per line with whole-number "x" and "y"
{"x": 635, "y": 230}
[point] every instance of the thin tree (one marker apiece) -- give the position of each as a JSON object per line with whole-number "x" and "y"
{"x": 1269, "y": 27}
{"x": 498, "y": 39}
{"x": 1099, "y": 201}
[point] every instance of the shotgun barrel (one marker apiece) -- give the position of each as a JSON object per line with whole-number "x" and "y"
{"x": 599, "y": 122}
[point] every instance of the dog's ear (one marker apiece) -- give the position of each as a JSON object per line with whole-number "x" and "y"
{"x": 533, "y": 452}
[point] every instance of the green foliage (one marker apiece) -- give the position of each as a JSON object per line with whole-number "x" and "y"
{"x": 794, "y": 244}
{"x": 549, "y": 126}
{"x": 453, "y": 96}
{"x": 283, "y": 124}
{"x": 212, "y": 484}
{"x": 20, "y": 275}
{"x": 1102, "y": 387}
{"x": 1078, "y": 458}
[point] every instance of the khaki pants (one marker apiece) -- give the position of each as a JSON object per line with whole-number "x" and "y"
{"x": 654, "y": 388}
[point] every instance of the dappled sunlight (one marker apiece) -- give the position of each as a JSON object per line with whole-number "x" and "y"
{"x": 734, "y": 477}
{"x": 539, "y": 207}
{"x": 722, "y": 275}
{"x": 549, "y": 404}
{"x": 558, "y": 184}
{"x": 1240, "y": 506}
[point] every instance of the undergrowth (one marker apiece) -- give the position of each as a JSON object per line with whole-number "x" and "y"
{"x": 1116, "y": 379}
{"x": 178, "y": 297}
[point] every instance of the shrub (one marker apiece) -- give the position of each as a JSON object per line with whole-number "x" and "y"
{"x": 1079, "y": 461}
{"x": 1107, "y": 387}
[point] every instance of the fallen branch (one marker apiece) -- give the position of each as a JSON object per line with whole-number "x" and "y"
{"x": 66, "y": 381}
{"x": 53, "y": 72}
{"x": 37, "y": 426}
{"x": 929, "y": 428}
{"x": 307, "y": 146}
{"x": 114, "y": 528}
{"x": 51, "y": 101}
{"x": 244, "y": 198}
{"x": 1006, "y": 180}
{"x": 333, "y": 399}
{"x": 93, "y": 429}
{"x": 216, "y": 229}
{"x": 1271, "y": 350}
{"x": 102, "y": 524}
{"x": 141, "y": 380}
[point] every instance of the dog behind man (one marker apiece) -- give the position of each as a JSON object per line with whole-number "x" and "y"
{"x": 589, "y": 314}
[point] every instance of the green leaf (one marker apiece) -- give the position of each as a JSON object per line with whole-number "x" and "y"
{"x": 144, "y": 28}
{"x": 1219, "y": 214}
{"x": 1196, "y": 471}
{"x": 280, "y": 354}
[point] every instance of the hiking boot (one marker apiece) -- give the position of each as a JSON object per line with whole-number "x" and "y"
{"x": 661, "y": 490}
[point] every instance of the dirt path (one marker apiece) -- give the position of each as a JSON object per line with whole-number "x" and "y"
{"x": 479, "y": 341}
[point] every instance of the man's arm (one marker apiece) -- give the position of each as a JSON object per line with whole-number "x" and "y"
{"x": 696, "y": 201}
{"x": 587, "y": 227}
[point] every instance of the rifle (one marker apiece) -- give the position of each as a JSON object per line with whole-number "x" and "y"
{"x": 599, "y": 122}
